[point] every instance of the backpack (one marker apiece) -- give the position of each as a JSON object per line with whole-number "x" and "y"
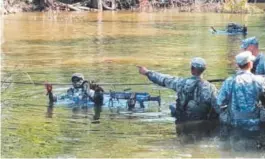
{"x": 189, "y": 105}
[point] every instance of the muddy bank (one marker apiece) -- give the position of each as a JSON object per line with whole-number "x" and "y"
{"x": 12, "y": 6}
{"x": 15, "y": 6}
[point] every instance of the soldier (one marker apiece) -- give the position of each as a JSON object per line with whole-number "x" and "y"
{"x": 234, "y": 28}
{"x": 252, "y": 45}
{"x": 239, "y": 95}
{"x": 196, "y": 97}
{"x": 79, "y": 85}
{"x": 84, "y": 90}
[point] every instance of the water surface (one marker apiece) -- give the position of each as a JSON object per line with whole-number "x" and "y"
{"x": 106, "y": 47}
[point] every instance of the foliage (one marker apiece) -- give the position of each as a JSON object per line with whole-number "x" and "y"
{"x": 239, "y": 6}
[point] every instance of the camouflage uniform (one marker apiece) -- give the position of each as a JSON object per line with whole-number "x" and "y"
{"x": 240, "y": 93}
{"x": 234, "y": 28}
{"x": 82, "y": 91}
{"x": 203, "y": 95}
{"x": 259, "y": 63}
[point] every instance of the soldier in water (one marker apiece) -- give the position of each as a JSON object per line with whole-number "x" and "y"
{"x": 196, "y": 97}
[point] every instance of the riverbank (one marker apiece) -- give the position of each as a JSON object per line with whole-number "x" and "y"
{"x": 12, "y": 6}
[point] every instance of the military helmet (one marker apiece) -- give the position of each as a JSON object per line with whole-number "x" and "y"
{"x": 77, "y": 77}
{"x": 198, "y": 62}
{"x": 249, "y": 41}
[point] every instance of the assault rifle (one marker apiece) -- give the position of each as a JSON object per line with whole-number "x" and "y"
{"x": 132, "y": 97}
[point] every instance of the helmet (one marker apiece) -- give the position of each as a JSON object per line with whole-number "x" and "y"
{"x": 77, "y": 77}
{"x": 77, "y": 80}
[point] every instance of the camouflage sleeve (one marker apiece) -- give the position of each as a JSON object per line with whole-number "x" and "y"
{"x": 261, "y": 82}
{"x": 165, "y": 80}
{"x": 260, "y": 70}
{"x": 213, "y": 99}
{"x": 223, "y": 96}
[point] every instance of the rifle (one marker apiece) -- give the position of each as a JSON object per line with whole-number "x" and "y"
{"x": 132, "y": 98}
{"x": 216, "y": 80}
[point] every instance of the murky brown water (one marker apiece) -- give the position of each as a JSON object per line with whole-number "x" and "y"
{"x": 107, "y": 47}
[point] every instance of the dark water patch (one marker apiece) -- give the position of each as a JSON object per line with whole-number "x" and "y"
{"x": 65, "y": 42}
{"x": 215, "y": 137}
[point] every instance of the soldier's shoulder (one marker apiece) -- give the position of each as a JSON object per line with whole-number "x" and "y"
{"x": 207, "y": 89}
{"x": 260, "y": 78}
{"x": 206, "y": 83}
{"x": 262, "y": 57}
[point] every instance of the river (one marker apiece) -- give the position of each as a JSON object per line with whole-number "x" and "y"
{"x": 106, "y": 47}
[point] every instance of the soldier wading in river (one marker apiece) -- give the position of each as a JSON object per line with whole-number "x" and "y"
{"x": 196, "y": 97}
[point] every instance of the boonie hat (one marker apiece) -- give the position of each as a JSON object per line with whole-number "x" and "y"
{"x": 244, "y": 57}
{"x": 249, "y": 41}
{"x": 198, "y": 62}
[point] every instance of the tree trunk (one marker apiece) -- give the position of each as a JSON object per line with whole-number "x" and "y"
{"x": 94, "y": 4}
{"x": 100, "y": 8}
{"x": 44, "y": 3}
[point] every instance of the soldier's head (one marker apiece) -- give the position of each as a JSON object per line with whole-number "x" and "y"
{"x": 245, "y": 60}
{"x": 251, "y": 44}
{"x": 198, "y": 65}
{"x": 77, "y": 80}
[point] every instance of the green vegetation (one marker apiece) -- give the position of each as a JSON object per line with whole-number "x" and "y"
{"x": 229, "y": 6}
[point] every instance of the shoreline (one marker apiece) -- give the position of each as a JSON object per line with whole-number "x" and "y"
{"x": 248, "y": 8}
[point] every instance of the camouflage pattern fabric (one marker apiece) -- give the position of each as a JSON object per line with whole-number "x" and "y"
{"x": 233, "y": 27}
{"x": 241, "y": 95}
{"x": 204, "y": 95}
{"x": 259, "y": 65}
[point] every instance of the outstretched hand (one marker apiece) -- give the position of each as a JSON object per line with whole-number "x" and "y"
{"x": 142, "y": 70}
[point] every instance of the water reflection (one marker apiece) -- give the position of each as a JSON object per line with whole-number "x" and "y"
{"x": 195, "y": 131}
{"x": 242, "y": 140}
{"x": 230, "y": 142}
{"x": 107, "y": 46}
{"x": 49, "y": 112}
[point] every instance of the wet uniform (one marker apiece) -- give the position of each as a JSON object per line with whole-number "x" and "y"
{"x": 259, "y": 62}
{"x": 259, "y": 65}
{"x": 196, "y": 97}
{"x": 240, "y": 93}
{"x": 82, "y": 91}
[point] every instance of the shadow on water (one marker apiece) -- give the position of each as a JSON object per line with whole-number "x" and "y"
{"x": 227, "y": 141}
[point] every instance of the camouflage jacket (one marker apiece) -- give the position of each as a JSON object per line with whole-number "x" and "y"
{"x": 259, "y": 65}
{"x": 203, "y": 95}
{"x": 84, "y": 91}
{"x": 241, "y": 95}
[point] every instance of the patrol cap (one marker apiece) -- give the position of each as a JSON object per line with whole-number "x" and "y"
{"x": 198, "y": 62}
{"x": 78, "y": 76}
{"x": 244, "y": 57}
{"x": 249, "y": 41}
